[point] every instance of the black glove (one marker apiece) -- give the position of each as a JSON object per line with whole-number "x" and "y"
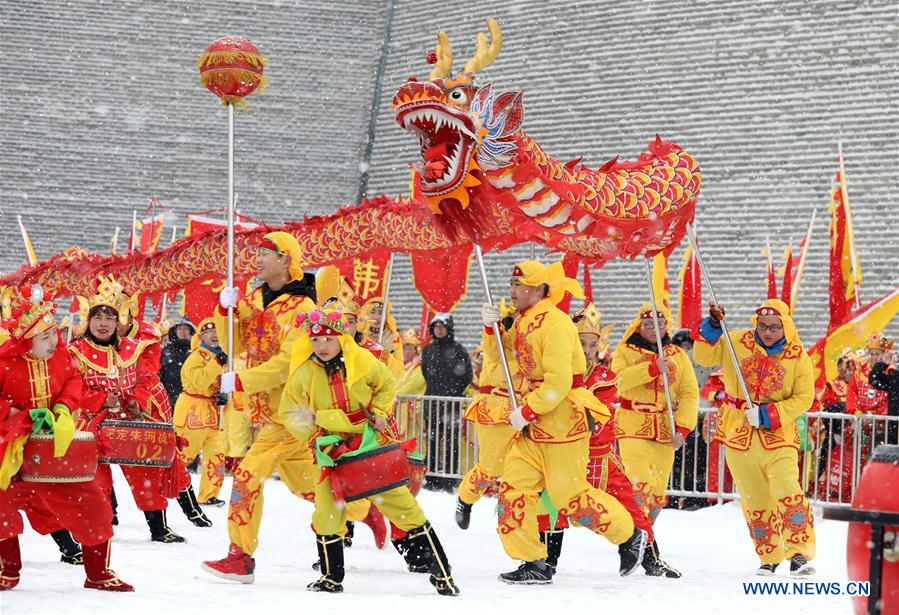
{"x": 222, "y": 358}
{"x": 221, "y": 399}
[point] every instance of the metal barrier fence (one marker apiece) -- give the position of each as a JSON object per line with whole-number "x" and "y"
{"x": 833, "y": 449}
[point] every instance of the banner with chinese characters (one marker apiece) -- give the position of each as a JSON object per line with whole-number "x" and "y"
{"x": 366, "y": 276}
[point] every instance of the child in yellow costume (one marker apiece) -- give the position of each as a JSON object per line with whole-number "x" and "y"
{"x": 196, "y": 417}
{"x": 369, "y": 324}
{"x": 412, "y": 382}
{"x": 489, "y": 411}
{"x": 642, "y": 425}
{"x": 263, "y": 320}
{"x": 336, "y": 388}
{"x": 763, "y": 444}
{"x": 551, "y": 451}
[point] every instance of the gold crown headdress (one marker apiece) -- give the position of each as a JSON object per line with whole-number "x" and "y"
{"x": 410, "y": 336}
{"x": 589, "y": 320}
{"x": 879, "y": 342}
{"x": 344, "y": 300}
{"x": 110, "y": 293}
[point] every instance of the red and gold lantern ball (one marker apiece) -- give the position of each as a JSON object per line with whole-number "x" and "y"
{"x": 231, "y": 68}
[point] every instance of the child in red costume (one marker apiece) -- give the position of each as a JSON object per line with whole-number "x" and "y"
{"x": 39, "y": 388}
{"x": 604, "y": 469}
{"x": 121, "y": 381}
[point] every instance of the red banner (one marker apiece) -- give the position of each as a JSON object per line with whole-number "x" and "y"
{"x": 366, "y": 276}
{"x": 441, "y": 276}
{"x": 202, "y": 296}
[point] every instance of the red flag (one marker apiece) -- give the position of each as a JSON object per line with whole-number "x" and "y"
{"x": 201, "y": 297}
{"x": 772, "y": 274}
{"x": 366, "y": 276}
{"x": 844, "y": 273}
{"x": 786, "y": 288}
{"x": 689, "y": 303}
{"x": 441, "y": 276}
{"x": 150, "y": 232}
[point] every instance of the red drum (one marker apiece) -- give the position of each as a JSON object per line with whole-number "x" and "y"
{"x": 418, "y": 469}
{"x": 137, "y": 443}
{"x": 78, "y": 465}
{"x": 370, "y": 473}
{"x": 877, "y": 489}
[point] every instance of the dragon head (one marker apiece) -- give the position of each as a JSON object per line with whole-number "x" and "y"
{"x": 461, "y": 127}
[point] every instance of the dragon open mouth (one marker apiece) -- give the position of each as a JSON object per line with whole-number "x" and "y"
{"x": 447, "y": 140}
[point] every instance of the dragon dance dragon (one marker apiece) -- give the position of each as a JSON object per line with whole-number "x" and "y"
{"x": 480, "y": 179}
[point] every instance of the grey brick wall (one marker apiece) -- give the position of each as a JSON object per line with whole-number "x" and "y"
{"x": 105, "y": 109}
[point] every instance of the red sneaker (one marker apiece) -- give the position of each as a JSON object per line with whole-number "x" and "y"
{"x": 237, "y": 566}
{"x": 107, "y": 581}
{"x": 375, "y": 520}
{"x": 8, "y": 581}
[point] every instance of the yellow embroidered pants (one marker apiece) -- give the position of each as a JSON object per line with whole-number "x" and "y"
{"x": 778, "y": 516}
{"x": 211, "y": 442}
{"x": 561, "y": 469}
{"x": 648, "y": 466}
{"x": 493, "y": 444}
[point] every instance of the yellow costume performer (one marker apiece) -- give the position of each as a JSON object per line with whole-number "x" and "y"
{"x": 762, "y": 450}
{"x": 196, "y": 417}
{"x": 551, "y": 452}
{"x": 339, "y": 397}
{"x": 412, "y": 382}
{"x": 489, "y": 411}
{"x": 642, "y": 425}
{"x": 263, "y": 320}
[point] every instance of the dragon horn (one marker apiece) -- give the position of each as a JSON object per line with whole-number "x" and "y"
{"x": 444, "y": 53}
{"x": 484, "y": 55}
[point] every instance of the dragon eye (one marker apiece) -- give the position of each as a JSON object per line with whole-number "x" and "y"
{"x": 458, "y": 96}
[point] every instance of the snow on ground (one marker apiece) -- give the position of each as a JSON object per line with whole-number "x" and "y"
{"x": 710, "y": 547}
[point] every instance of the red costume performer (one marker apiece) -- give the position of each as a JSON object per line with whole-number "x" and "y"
{"x": 121, "y": 381}
{"x": 40, "y": 386}
{"x": 604, "y": 469}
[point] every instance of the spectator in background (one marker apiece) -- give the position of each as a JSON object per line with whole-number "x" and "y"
{"x": 885, "y": 377}
{"x": 447, "y": 370}
{"x": 173, "y": 357}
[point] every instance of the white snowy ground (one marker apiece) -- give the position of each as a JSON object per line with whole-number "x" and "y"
{"x": 710, "y": 547}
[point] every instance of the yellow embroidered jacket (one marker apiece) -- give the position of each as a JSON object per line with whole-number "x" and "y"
{"x": 642, "y": 411}
{"x": 196, "y": 407}
{"x": 552, "y": 363}
{"x": 262, "y": 333}
{"x": 783, "y": 381}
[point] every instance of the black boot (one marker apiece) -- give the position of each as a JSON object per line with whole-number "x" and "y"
{"x": 188, "y": 501}
{"x": 424, "y": 540}
{"x": 631, "y": 552}
{"x": 463, "y": 514}
{"x": 213, "y": 501}
{"x": 330, "y": 557}
{"x": 68, "y": 547}
{"x": 655, "y": 566}
{"x": 115, "y": 505}
{"x": 348, "y": 537}
{"x": 415, "y": 556}
{"x": 159, "y": 527}
{"x": 553, "y": 542}
{"x": 529, "y": 573}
